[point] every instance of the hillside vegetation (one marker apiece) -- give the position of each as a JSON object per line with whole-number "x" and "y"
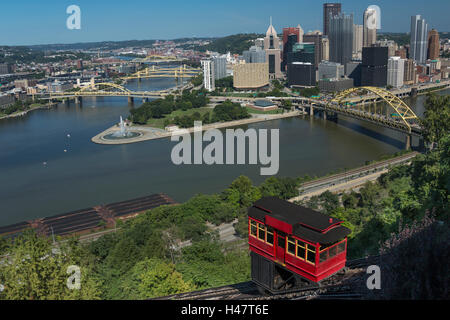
{"x": 404, "y": 214}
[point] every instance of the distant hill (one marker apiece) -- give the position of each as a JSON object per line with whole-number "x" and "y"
{"x": 235, "y": 43}
{"x": 104, "y": 45}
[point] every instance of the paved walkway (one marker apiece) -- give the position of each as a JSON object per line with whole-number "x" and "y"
{"x": 149, "y": 133}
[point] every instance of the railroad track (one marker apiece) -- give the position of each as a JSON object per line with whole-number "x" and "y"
{"x": 340, "y": 286}
{"x": 228, "y": 292}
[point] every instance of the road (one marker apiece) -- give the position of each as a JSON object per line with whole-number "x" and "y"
{"x": 352, "y": 179}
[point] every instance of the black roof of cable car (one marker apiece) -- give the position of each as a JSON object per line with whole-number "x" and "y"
{"x": 306, "y": 223}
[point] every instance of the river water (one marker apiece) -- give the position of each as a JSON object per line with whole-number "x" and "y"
{"x": 48, "y": 164}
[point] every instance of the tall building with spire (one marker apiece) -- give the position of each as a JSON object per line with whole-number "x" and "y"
{"x": 418, "y": 45}
{"x": 273, "y": 52}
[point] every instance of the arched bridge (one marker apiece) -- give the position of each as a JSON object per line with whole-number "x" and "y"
{"x": 361, "y": 103}
{"x": 183, "y": 71}
{"x": 108, "y": 89}
{"x": 397, "y": 114}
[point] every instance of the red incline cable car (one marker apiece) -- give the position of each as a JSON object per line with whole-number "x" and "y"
{"x": 292, "y": 245}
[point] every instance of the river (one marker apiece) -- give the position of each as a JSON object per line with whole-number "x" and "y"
{"x": 48, "y": 164}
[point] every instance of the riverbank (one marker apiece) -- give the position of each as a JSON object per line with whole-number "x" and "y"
{"x": 25, "y": 112}
{"x": 149, "y": 133}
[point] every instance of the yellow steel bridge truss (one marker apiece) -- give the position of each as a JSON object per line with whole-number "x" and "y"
{"x": 158, "y": 72}
{"x": 402, "y": 110}
{"x": 109, "y": 89}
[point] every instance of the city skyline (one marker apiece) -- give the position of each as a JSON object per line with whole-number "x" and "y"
{"x": 45, "y": 23}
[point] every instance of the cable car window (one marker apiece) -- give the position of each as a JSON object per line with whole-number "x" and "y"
{"x": 261, "y": 232}
{"x": 291, "y": 246}
{"x": 323, "y": 256}
{"x": 332, "y": 251}
{"x": 269, "y": 239}
{"x": 341, "y": 247}
{"x": 281, "y": 242}
{"x": 301, "y": 250}
{"x": 253, "y": 228}
{"x": 311, "y": 254}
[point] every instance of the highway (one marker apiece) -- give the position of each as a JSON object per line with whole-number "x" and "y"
{"x": 350, "y": 179}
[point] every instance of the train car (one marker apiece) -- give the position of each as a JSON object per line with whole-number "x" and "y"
{"x": 293, "y": 246}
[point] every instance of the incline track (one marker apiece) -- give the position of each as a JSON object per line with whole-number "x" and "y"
{"x": 343, "y": 285}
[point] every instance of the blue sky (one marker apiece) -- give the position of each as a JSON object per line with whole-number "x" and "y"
{"x": 43, "y": 22}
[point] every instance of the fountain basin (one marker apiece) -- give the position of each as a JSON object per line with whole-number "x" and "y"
{"x": 118, "y": 136}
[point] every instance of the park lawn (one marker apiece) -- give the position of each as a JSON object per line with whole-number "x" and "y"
{"x": 250, "y": 110}
{"x": 159, "y": 123}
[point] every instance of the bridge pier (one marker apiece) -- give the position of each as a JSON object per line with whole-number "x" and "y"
{"x": 78, "y": 100}
{"x": 408, "y": 142}
{"x": 324, "y": 115}
{"x": 130, "y": 100}
{"x": 144, "y": 100}
{"x": 311, "y": 111}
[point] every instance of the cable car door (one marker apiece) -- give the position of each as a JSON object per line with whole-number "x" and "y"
{"x": 281, "y": 247}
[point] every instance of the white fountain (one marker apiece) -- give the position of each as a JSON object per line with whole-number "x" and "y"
{"x": 122, "y": 133}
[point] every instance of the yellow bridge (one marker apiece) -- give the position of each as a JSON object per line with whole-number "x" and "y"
{"x": 401, "y": 116}
{"x": 183, "y": 71}
{"x": 108, "y": 89}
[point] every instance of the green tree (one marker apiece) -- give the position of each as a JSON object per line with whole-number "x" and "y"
{"x": 431, "y": 179}
{"x": 242, "y": 192}
{"x": 35, "y": 269}
{"x": 436, "y": 121}
{"x": 152, "y": 278}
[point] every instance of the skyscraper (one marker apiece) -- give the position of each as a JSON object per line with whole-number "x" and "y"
{"x": 273, "y": 52}
{"x": 410, "y": 72}
{"x": 208, "y": 75}
{"x": 433, "y": 44}
{"x": 301, "y": 74}
{"x": 329, "y": 10}
{"x": 302, "y": 52}
{"x": 316, "y": 38}
{"x": 374, "y": 66}
{"x": 325, "y": 48}
{"x": 395, "y": 72}
{"x": 292, "y": 39}
{"x": 357, "y": 40}
{"x": 293, "y": 30}
{"x": 418, "y": 45}
{"x": 370, "y": 30}
{"x": 220, "y": 67}
{"x": 341, "y": 38}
